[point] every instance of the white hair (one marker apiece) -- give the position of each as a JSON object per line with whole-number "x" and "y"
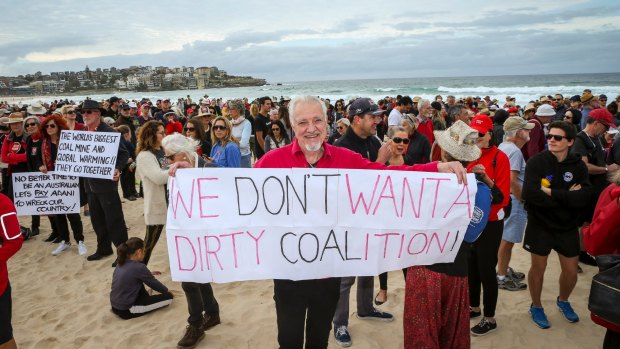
{"x": 421, "y": 102}
{"x": 177, "y": 143}
{"x": 510, "y": 134}
{"x": 292, "y": 106}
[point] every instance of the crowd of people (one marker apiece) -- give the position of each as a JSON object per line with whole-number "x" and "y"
{"x": 545, "y": 166}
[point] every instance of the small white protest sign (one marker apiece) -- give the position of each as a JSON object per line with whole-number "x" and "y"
{"x": 38, "y": 194}
{"x": 87, "y": 154}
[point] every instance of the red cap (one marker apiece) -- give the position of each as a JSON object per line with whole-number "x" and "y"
{"x": 481, "y": 123}
{"x": 602, "y": 115}
{"x": 513, "y": 110}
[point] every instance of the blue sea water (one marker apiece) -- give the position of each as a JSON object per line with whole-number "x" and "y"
{"x": 523, "y": 87}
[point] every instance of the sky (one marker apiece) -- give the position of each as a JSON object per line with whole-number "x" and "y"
{"x": 314, "y": 40}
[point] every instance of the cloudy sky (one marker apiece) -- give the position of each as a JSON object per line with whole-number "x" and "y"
{"x": 314, "y": 40}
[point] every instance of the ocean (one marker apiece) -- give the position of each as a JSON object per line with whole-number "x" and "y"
{"x": 523, "y": 87}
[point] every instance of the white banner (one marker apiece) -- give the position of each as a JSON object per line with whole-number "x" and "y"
{"x": 237, "y": 224}
{"x": 38, "y": 194}
{"x": 87, "y": 154}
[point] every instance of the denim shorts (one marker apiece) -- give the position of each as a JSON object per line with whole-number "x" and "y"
{"x": 514, "y": 225}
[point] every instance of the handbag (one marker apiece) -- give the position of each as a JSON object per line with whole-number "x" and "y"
{"x": 605, "y": 290}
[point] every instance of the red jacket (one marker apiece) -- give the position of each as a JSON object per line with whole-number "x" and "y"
{"x": 11, "y": 238}
{"x": 426, "y": 128}
{"x": 14, "y": 153}
{"x": 602, "y": 236}
{"x": 499, "y": 174}
{"x": 291, "y": 156}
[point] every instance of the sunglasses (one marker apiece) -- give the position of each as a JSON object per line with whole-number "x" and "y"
{"x": 340, "y": 127}
{"x": 189, "y": 129}
{"x": 558, "y": 99}
{"x": 219, "y": 127}
{"x": 399, "y": 140}
{"x": 481, "y": 134}
{"x": 89, "y": 111}
{"x": 275, "y": 129}
{"x": 31, "y": 124}
{"x": 567, "y": 117}
{"x": 50, "y": 126}
{"x": 71, "y": 112}
{"x": 605, "y": 125}
{"x": 557, "y": 138}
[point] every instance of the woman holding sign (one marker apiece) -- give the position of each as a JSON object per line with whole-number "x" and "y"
{"x": 152, "y": 170}
{"x": 181, "y": 153}
{"x": 50, "y": 137}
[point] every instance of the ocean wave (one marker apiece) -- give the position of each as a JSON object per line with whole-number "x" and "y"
{"x": 511, "y": 90}
{"x": 386, "y": 89}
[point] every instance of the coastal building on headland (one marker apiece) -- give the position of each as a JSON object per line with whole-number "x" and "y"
{"x": 133, "y": 78}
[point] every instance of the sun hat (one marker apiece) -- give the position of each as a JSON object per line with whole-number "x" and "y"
{"x": 545, "y": 110}
{"x": 586, "y": 97}
{"x": 15, "y": 118}
{"x": 528, "y": 107}
{"x": 514, "y": 123}
{"x": 36, "y": 109}
{"x": 459, "y": 140}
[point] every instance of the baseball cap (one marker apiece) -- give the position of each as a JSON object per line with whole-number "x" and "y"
{"x": 113, "y": 99}
{"x": 602, "y": 115}
{"x": 481, "y": 123}
{"x": 363, "y": 106}
{"x": 514, "y": 123}
{"x": 575, "y": 98}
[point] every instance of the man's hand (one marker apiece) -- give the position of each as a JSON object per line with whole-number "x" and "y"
{"x": 117, "y": 175}
{"x": 385, "y": 152}
{"x": 454, "y": 167}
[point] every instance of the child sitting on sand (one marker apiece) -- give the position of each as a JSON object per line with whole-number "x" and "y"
{"x": 128, "y": 296}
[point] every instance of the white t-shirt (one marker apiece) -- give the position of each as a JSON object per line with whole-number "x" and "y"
{"x": 395, "y": 117}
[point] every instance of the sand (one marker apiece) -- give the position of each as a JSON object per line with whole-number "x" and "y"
{"x": 63, "y": 302}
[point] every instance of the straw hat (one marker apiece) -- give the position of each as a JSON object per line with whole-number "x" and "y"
{"x": 459, "y": 140}
{"x": 15, "y": 118}
{"x": 36, "y": 109}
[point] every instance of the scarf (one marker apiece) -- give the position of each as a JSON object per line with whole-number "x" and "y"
{"x": 46, "y": 154}
{"x": 239, "y": 120}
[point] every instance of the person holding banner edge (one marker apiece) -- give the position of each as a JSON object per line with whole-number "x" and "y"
{"x": 106, "y": 211}
{"x": 318, "y": 298}
{"x": 50, "y": 137}
{"x": 181, "y": 153}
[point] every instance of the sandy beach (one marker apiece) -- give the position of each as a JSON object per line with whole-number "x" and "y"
{"x": 63, "y": 302}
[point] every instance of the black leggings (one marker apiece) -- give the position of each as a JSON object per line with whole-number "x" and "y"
{"x": 482, "y": 263}
{"x": 150, "y": 240}
{"x": 383, "y": 278}
{"x": 144, "y": 304}
{"x": 63, "y": 228}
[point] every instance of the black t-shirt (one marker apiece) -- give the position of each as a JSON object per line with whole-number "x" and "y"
{"x": 418, "y": 151}
{"x": 458, "y": 267}
{"x": 593, "y": 149}
{"x": 260, "y": 125}
{"x": 614, "y": 153}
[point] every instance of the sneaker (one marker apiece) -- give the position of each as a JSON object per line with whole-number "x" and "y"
{"x": 82, "y": 248}
{"x": 484, "y": 327}
{"x": 515, "y": 275}
{"x": 343, "y": 338}
{"x": 474, "y": 314}
{"x": 567, "y": 310}
{"x": 193, "y": 335}
{"x": 510, "y": 284}
{"x": 210, "y": 321}
{"x": 539, "y": 317}
{"x": 52, "y": 237}
{"x": 376, "y": 315}
{"x": 62, "y": 246}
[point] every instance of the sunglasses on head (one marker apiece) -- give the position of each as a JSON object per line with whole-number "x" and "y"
{"x": 219, "y": 127}
{"x": 399, "y": 140}
{"x": 189, "y": 129}
{"x": 555, "y": 137}
{"x": 50, "y": 126}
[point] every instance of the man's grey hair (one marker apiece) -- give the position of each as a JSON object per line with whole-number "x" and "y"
{"x": 421, "y": 102}
{"x": 455, "y": 111}
{"x": 292, "y": 106}
{"x": 510, "y": 134}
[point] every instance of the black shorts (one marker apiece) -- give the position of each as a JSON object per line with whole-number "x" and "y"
{"x": 541, "y": 240}
{"x": 6, "y": 330}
